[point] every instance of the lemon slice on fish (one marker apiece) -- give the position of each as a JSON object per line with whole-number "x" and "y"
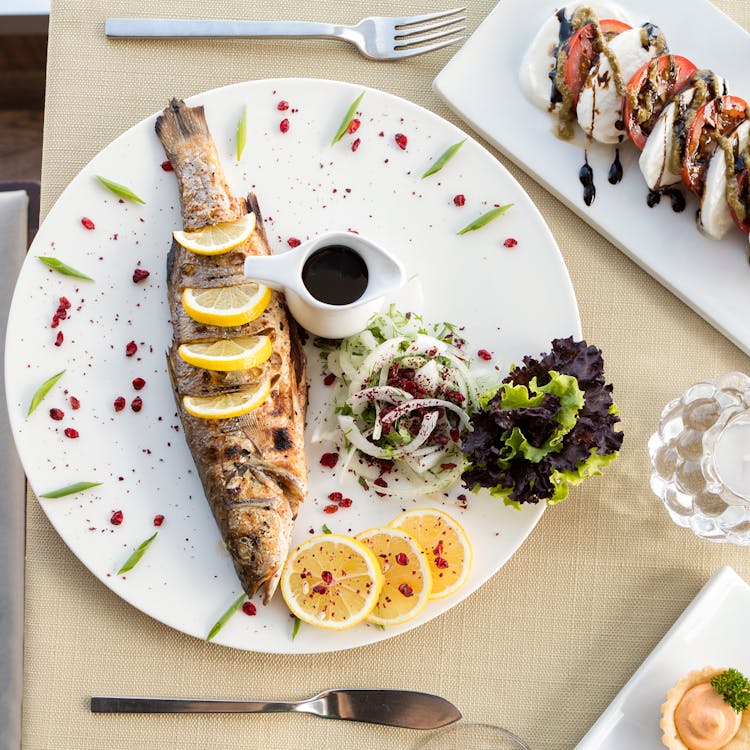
{"x": 227, "y": 355}
{"x": 444, "y": 543}
{"x": 227, "y": 405}
{"x": 227, "y": 305}
{"x": 216, "y": 239}
{"x": 407, "y": 581}
{"x": 331, "y": 581}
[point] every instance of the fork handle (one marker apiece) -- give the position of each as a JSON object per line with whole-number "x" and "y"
{"x": 167, "y": 28}
{"x": 133, "y": 705}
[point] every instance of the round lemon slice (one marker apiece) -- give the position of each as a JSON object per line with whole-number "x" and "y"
{"x": 216, "y": 239}
{"x": 331, "y": 581}
{"x": 227, "y": 405}
{"x": 407, "y": 581}
{"x": 227, "y": 305}
{"x": 227, "y": 355}
{"x": 443, "y": 542}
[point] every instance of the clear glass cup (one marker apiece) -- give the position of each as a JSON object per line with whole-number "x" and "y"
{"x": 472, "y": 736}
{"x": 700, "y": 459}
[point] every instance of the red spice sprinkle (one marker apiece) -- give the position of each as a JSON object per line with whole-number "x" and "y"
{"x": 65, "y": 303}
{"x": 284, "y": 125}
{"x": 401, "y": 140}
{"x": 59, "y": 338}
{"x": 71, "y": 433}
{"x": 137, "y": 404}
{"x": 380, "y": 482}
{"x": 140, "y": 274}
{"x": 438, "y": 549}
{"x": 61, "y": 313}
{"x": 330, "y": 509}
{"x": 55, "y": 321}
{"x": 402, "y": 558}
{"x": 329, "y": 460}
{"x": 329, "y": 379}
{"x": 455, "y": 435}
{"x": 56, "y": 414}
{"x": 116, "y": 518}
{"x": 87, "y": 223}
{"x": 345, "y": 502}
{"x": 74, "y": 403}
{"x": 448, "y": 467}
{"x": 166, "y": 165}
{"x": 130, "y": 348}
{"x": 353, "y": 126}
{"x": 119, "y": 403}
{"x": 484, "y": 354}
{"x": 158, "y": 520}
{"x": 319, "y": 588}
{"x": 335, "y": 497}
{"x": 282, "y": 106}
{"x": 459, "y": 199}
{"x": 441, "y": 562}
{"x": 138, "y": 383}
{"x": 356, "y": 143}
{"x": 327, "y": 576}
{"x": 406, "y": 590}
{"x": 510, "y": 242}
{"x": 293, "y": 242}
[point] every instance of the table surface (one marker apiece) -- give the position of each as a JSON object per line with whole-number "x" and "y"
{"x": 547, "y": 643}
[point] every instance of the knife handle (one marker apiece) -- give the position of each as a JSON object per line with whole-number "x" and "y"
{"x": 134, "y": 705}
{"x": 167, "y": 28}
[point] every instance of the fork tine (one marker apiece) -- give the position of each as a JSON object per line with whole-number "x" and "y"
{"x": 412, "y": 51}
{"x": 406, "y": 33}
{"x": 411, "y": 20}
{"x": 413, "y": 41}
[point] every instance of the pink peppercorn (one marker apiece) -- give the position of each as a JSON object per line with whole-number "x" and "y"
{"x": 484, "y": 354}
{"x": 401, "y": 140}
{"x": 130, "y": 348}
{"x": 249, "y": 609}
{"x": 71, "y": 433}
{"x": 138, "y": 383}
{"x": 74, "y": 403}
{"x": 284, "y": 125}
{"x": 116, "y": 518}
{"x": 136, "y": 404}
{"x": 402, "y": 558}
{"x": 329, "y": 379}
{"x": 510, "y": 242}
{"x": 166, "y": 165}
{"x": 356, "y": 143}
{"x": 56, "y": 414}
{"x": 459, "y": 199}
{"x": 353, "y": 126}
{"x": 158, "y": 520}
{"x": 329, "y": 460}
{"x": 59, "y": 338}
{"x": 119, "y": 403}
{"x": 293, "y": 242}
{"x": 330, "y": 509}
{"x": 406, "y": 590}
{"x": 282, "y": 106}
{"x": 87, "y": 223}
{"x": 140, "y": 274}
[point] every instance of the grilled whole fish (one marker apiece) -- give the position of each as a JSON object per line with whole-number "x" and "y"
{"x": 252, "y": 467}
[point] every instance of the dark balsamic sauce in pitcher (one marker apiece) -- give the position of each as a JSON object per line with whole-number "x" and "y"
{"x": 336, "y": 275}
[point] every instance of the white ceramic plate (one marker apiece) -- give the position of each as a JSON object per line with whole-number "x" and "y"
{"x": 481, "y": 84}
{"x": 511, "y": 301}
{"x": 711, "y": 632}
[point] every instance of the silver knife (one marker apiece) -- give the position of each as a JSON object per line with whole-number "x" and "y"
{"x": 395, "y": 708}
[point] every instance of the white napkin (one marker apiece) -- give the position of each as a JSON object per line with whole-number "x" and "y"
{"x": 13, "y": 238}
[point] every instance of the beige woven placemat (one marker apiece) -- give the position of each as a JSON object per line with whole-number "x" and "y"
{"x": 547, "y": 643}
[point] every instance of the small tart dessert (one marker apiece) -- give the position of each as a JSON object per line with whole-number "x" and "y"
{"x": 696, "y": 717}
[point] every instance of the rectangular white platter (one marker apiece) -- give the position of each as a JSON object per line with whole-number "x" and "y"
{"x": 712, "y": 631}
{"x": 481, "y": 84}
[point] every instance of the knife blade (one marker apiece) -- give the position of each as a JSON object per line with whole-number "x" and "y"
{"x": 397, "y": 708}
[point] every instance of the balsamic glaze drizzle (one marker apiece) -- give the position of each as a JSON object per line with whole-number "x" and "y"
{"x": 586, "y": 176}
{"x": 615, "y": 171}
{"x": 675, "y": 196}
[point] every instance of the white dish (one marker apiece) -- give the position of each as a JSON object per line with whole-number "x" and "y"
{"x": 481, "y": 84}
{"x": 712, "y": 631}
{"x": 512, "y": 302}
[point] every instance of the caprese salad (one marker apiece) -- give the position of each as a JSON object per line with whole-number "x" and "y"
{"x": 591, "y": 67}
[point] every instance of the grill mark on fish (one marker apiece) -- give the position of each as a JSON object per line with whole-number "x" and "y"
{"x": 254, "y": 487}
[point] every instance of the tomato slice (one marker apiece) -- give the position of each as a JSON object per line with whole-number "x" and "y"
{"x": 719, "y": 116}
{"x": 743, "y": 223}
{"x": 650, "y": 90}
{"x": 583, "y": 53}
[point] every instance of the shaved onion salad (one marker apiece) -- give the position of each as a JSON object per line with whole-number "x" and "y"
{"x": 403, "y": 400}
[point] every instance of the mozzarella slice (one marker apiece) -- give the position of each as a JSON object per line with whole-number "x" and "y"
{"x": 715, "y": 218}
{"x": 540, "y": 58}
{"x": 654, "y": 159}
{"x": 600, "y": 105}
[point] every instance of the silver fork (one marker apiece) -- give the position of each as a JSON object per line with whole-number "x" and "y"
{"x": 377, "y": 37}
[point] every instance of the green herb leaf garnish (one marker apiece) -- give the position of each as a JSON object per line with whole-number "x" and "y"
{"x": 71, "y": 489}
{"x": 295, "y": 627}
{"x": 485, "y": 218}
{"x": 444, "y": 158}
{"x": 347, "y": 119}
{"x": 222, "y": 621}
{"x": 326, "y": 530}
{"x": 242, "y": 133}
{"x": 734, "y": 688}
{"x": 122, "y": 190}
{"x": 57, "y": 265}
{"x": 42, "y": 391}
{"x": 138, "y": 553}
